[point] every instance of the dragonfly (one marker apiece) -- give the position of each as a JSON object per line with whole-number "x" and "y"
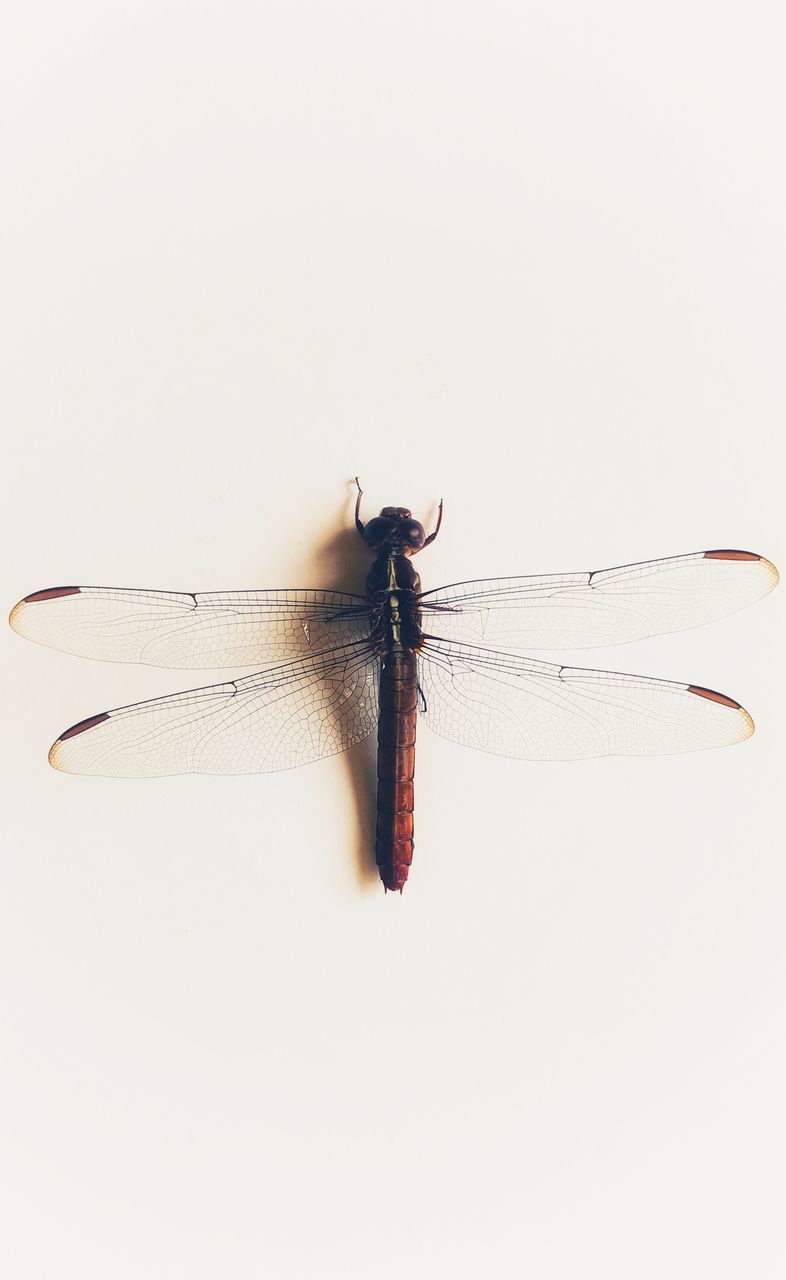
{"x": 337, "y": 667}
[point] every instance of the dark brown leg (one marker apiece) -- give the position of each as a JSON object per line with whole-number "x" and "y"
{"x": 358, "y": 522}
{"x": 433, "y": 535}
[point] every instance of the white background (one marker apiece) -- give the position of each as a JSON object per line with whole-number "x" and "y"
{"x": 525, "y": 256}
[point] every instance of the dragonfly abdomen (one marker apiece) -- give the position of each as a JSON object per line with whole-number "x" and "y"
{"x": 398, "y": 705}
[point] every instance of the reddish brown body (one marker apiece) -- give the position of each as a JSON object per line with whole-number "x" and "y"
{"x": 398, "y": 707}
{"x": 394, "y": 588}
{"x": 394, "y": 593}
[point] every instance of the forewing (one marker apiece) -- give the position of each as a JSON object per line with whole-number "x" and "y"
{"x": 178, "y": 629}
{"x": 516, "y": 706}
{"x": 608, "y": 606}
{"x": 283, "y": 717}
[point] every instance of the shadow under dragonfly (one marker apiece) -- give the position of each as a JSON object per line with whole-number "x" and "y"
{"x": 339, "y": 561}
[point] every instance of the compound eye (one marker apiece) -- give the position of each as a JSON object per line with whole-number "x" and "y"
{"x": 377, "y": 531}
{"x": 414, "y": 535}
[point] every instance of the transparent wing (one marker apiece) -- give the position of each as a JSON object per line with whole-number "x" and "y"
{"x": 608, "y": 606}
{"x": 283, "y": 717}
{"x": 178, "y": 629}
{"x": 516, "y": 706}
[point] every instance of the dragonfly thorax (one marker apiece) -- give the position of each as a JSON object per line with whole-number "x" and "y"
{"x": 393, "y": 587}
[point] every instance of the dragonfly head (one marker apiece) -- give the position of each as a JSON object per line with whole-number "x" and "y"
{"x": 394, "y": 530}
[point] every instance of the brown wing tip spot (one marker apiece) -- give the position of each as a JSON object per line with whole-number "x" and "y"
{"x": 51, "y": 593}
{"x": 82, "y": 726}
{"x": 731, "y": 555}
{"x": 766, "y": 564}
{"x": 714, "y": 696}
{"x": 744, "y": 719}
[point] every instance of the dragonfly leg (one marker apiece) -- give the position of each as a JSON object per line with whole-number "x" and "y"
{"x": 433, "y": 535}
{"x": 358, "y": 522}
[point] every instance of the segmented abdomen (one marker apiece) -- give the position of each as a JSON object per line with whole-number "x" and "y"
{"x": 398, "y": 705}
